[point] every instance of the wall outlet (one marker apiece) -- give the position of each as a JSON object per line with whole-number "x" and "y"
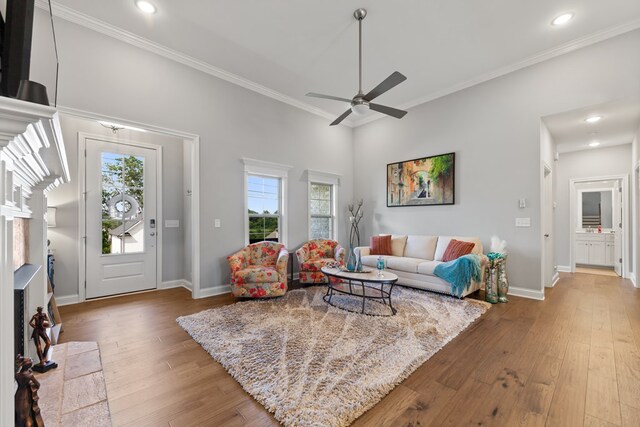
{"x": 216, "y": 223}
{"x": 171, "y": 223}
{"x": 522, "y": 203}
{"x": 523, "y": 222}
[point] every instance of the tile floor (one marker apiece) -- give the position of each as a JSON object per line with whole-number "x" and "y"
{"x": 74, "y": 394}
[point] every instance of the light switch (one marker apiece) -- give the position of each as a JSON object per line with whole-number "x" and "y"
{"x": 523, "y": 222}
{"x": 171, "y": 223}
{"x": 216, "y": 223}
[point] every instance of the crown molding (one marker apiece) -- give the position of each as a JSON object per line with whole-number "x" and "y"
{"x": 527, "y": 62}
{"x": 87, "y": 21}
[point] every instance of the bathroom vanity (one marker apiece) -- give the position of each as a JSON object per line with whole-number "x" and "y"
{"x": 595, "y": 248}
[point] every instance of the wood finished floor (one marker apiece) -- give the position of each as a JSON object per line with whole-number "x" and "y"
{"x": 571, "y": 360}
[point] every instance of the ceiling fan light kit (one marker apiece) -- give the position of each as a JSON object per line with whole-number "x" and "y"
{"x": 361, "y": 103}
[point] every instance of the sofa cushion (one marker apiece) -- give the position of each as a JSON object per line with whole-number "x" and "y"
{"x": 398, "y": 243}
{"x": 427, "y": 267}
{"x": 410, "y": 265}
{"x": 456, "y": 249}
{"x": 371, "y": 260}
{"x": 257, "y": 274}
{"x": 380, "y": 245}
{"x": 422, "y": 247}
{"x": 443, "y": 243}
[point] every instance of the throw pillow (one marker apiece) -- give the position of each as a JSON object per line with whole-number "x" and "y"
{"x": 456, "y": 249}
{"x": 380, "y": 245}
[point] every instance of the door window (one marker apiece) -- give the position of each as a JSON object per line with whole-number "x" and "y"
{"x": 122, "y": 203}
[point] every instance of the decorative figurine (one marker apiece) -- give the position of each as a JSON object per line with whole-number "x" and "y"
{"x": 27, "y": 410}
{"x": 40, "y": 322}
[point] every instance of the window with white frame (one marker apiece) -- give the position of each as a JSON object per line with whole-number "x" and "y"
{"x": 321, "y": 218}
{"x": 323, "y": 192}
{"x": 265, "y": 201}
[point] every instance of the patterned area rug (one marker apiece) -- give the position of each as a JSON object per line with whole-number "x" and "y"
{"x": 311, "y": 364}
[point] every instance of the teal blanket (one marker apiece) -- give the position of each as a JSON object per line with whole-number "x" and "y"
{"x": 460, "y": 272}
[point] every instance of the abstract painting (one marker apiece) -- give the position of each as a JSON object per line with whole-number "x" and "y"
{"x": 420, "y": 182}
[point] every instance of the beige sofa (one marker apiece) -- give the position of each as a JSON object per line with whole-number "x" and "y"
{"x": 414, "y": 258}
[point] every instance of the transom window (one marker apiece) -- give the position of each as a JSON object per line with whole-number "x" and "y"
{"x": 264, "y": 201}
{"x": 321, "y": 211}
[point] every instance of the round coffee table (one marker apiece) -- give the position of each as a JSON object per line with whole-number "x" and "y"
{"x": 365, "y": 285}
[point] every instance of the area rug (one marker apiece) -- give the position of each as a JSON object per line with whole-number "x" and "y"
{"x": 311, "y": 364}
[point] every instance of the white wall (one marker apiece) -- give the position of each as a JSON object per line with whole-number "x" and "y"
{"x": 635, "y": 205}
{"x": 64, "y": 238}
{"x": 584, "y": 164}
{"x": 494, "y": 128}
{"x": 109, "y": 77}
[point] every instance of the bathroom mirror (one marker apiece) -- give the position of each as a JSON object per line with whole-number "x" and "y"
{"x": 597, "y": 209}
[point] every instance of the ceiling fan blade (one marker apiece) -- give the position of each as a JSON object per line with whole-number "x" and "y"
{"x": 389, "y": 83}
{"x": 389, "y": 111}
{"x": 335, "y": 98}
{"x": 341, "y": 118}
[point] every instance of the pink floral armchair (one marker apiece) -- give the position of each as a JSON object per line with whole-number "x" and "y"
{"x": 314, "y": 255}
{"x": 259, "y": 270}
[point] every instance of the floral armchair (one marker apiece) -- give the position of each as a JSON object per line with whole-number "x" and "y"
{"x": 259, "y": 270}
{"x": 314, "y": 255}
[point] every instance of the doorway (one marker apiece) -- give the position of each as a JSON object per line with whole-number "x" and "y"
{"x": 599, "y": 224}
{"x": 122, "y": 211}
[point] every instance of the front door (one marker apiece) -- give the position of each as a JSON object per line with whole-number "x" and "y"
{"x": 120, "y": 206}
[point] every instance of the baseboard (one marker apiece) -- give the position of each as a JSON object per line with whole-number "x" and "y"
{"x": 216, "y": 290}
{"x": 67, "y": 300}
{"x": 526, "y": 293}
{"x": 554, "y": 280}
{"x": 180, "y": 283}
{"x": 564, "y": 269}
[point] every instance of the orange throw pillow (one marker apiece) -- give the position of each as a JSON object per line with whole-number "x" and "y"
{"x": 380, "y": 245}
{"x": 456, "y": 249}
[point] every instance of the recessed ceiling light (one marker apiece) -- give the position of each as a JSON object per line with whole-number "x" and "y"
{"x": 562, "y": 19}
{"x": 594, "y": 144}
{"x": 146, "y": 7}
{"x": 593, "y": 119}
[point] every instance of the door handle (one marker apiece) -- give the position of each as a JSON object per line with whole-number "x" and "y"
{"x": 546, "y": 235}
{"x": 153, "y": 233}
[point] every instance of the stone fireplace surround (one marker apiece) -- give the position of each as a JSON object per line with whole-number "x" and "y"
{"x": 32, "y": 162}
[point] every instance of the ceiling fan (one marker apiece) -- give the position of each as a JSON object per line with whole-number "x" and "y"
{"x": 361, "y": 103}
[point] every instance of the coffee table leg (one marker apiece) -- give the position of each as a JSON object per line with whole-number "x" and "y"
{"x": 329, "y": 292}
{"x": 364, "y": 296}
{"x": 393, "y": 310}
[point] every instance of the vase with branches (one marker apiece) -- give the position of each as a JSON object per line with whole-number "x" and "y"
{"x": 355, "y": 216}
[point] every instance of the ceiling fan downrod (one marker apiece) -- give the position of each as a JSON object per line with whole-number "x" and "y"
{"x": 360, "y": 14}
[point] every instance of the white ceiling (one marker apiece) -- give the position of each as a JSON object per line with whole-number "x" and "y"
{"x": 619, "y": 125}
{"x": 294, "y": 47}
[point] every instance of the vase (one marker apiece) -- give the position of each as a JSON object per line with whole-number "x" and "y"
{"x": 351, "y": 259}
{"x": 359, "y": 262}
{"x": 490, "y": 287}
{"x": 503, "y": 283}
